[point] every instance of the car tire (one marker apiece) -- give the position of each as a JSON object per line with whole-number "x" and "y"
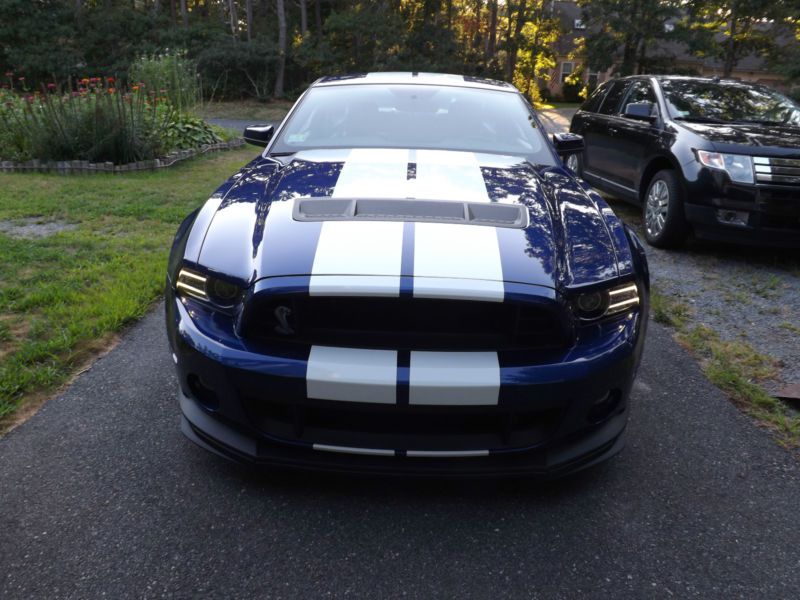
{"x": 663, "y": 218}
{"x": 574, "y": 162}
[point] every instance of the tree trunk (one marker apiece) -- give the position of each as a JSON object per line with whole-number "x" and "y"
{"x": 172, "y": 12}
{"x": 318, "y": 17}
{"x": 491, "y": 47}
{"x": 303, "y": 18}
{"x": 234, "y": 19}
{"x": 184, "y": 14}
{"x": 514, "y": 41}
{"x": 730, "y": 49}
{"x": 281, "y": 72}
{"x": 248, "y": 7}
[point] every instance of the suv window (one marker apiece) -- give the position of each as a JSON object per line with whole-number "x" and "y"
{"x": 593, "y": 103}
{"x": 640, "y": 91}
{"x": 613, "y": 99}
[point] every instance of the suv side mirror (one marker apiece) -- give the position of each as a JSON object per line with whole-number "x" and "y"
{"x": 643, "y": 111}
{"x": 568, "y": 143}
{"x": 258, "y": 135}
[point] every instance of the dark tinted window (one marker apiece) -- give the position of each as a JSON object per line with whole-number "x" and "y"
{"x": 414, "y": 116}
{"x": 727, "y": 101}
{"x": 613, "y": 99}
{"x": 592, "y": 104}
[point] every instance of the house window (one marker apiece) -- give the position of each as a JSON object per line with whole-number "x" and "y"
{"x": 566, "y": 70}
{"x": 579, "y": 24}
{"x": 592, "y": 78}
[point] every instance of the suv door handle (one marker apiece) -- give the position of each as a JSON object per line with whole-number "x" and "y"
{"x": 613, "y": 131}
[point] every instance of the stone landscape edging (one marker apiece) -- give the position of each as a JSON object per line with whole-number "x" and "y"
{"x": 84, "y": 167}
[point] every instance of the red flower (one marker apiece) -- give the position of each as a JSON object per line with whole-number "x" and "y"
{"x": 9, "y": 73}
{"x": 51, "y": 86}
{"x": 20, "y": 79}
{"x": 110, "y": 79}
{"x": 135, "y": 88}
{"x": 111, "y": 90}
{"x": 85, "y": 80}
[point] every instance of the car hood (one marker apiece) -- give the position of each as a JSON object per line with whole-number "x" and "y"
{"x": 254, "y": 231}
{"x": 760, "y": 136}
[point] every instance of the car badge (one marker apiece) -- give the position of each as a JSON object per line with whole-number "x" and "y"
{"x": 282, "y": 314}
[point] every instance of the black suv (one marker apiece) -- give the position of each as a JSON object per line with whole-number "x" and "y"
{"x": 717, "y": 156}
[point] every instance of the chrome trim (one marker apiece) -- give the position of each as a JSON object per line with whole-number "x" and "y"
{"x": 350, "y": 450}
{"x": 446, "y": 453}
{"x": 619, "y": 185}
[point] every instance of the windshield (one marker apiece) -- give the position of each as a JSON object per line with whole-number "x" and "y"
{"x": 727, "y": 102}
{"x": 414, "y": 116}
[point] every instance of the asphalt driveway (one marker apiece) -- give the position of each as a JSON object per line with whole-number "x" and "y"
{"x": 100, "y": 495}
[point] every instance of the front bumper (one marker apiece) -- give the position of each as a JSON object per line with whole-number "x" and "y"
{"x": 564, "y": 432}
{"x": 771, "y": 212}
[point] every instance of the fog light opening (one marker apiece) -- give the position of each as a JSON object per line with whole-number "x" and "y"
{"x": 202, "y": 393}
{"x": 604, "y": 407}
{"x": 733, "y": 217}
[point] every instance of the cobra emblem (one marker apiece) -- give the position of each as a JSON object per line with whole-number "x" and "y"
{"x": 282, "y": 314}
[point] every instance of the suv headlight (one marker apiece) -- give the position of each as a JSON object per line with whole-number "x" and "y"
{"x": 604, "y": 303}
{"x": 209, "y": 289}
{"x": 738, "y": 166}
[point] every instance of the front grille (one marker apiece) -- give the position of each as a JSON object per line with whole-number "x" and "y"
{"x": 402, "y": 427}
{"x": 777, "y": 171}
{"x": 405, "y": 323}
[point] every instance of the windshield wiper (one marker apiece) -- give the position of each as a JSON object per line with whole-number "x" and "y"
{"x": 697, "y": 119}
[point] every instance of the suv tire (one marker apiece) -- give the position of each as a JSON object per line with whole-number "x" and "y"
{"x": 662, "y": 211}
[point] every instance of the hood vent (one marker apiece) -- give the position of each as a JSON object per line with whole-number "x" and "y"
{"x": 425, "y": 211}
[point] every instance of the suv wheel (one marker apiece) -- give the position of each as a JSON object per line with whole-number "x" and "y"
{"x": 574, "y": 163}
{"x": 664, "y": 222}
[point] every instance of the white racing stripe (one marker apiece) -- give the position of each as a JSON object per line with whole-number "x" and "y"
{"x": 352, "y": 375}
{"x": 462, "y": 261}
{"x": 447, "y": 175}
{"x": 454, "y": 378}
{"x": 373, "y": 173}
{"x": 369, "y": 249}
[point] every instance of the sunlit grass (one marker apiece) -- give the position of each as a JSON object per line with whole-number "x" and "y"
{"x": 62, "y": 297}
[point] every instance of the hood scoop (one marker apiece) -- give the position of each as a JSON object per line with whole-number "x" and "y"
{"x": 513, "y": 216}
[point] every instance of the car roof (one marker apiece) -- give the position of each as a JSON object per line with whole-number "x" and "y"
{"x": 415, "y": 78}
{"x": 682, "y": 78}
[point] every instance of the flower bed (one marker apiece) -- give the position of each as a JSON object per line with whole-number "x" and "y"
{"x": 97, "y": 127}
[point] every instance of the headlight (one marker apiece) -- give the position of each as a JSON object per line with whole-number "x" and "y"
{"x": 197, "y": 285}
{"x": 738, "y": 166}
{"x": 604, "y": 303}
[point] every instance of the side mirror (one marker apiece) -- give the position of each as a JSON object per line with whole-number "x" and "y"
{"x": 643, "y": 111}
{"x": 258, "y": 135}
{"x": 568, "y": 143}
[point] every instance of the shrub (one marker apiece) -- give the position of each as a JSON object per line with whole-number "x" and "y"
{"x": 170, "y": 75}
{"x": 98, "y": 123}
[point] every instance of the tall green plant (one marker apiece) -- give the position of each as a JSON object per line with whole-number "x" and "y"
{"x": 170, "y": 75}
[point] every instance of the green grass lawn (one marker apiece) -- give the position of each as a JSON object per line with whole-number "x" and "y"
{"x": 63, "y": 297}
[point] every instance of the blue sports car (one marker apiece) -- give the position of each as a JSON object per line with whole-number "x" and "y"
{"x": 407, "y": 280}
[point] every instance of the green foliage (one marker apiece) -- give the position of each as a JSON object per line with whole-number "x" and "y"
{"x": 171, "y": 75}
{"x": 623, "y": 32}
{"x": 184, "y": 131}
{"x": 97, "y": 125}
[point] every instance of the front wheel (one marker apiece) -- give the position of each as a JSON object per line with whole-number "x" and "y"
{"x": 664, "y": 221}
